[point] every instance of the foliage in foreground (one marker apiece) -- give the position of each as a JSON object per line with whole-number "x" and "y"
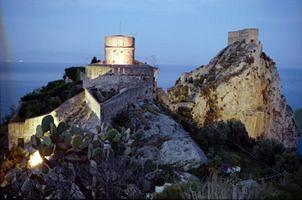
{"x": 80, "y": 166}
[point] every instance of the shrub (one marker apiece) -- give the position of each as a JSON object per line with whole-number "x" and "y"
{"x": 121, "y": 120}
{"x": 266, "y": 149}
{"x": 47, "y": 98}
{"x": 287, "y": 161}
{"x": 215, "y": 163}
{"x": 237, "y": 135}
{"x": 74, "y": 73}
{"x": 171, "y": 192}
{"x": 94, "y": 60}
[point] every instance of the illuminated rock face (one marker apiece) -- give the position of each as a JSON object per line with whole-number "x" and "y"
{"x": 240, "y": 83}
{"x": 119, "y": 50}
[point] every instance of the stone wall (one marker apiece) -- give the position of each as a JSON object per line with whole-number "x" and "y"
{"x": 93, "y": 104}
{"x": 249, "y": 35}
{"x": 117, "y": 82}
{"x": 25, "y": 129}
{"x": 119, "y": 102}
{"x": 94, "y": 71}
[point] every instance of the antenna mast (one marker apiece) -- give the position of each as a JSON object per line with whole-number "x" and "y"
{"x": 120, "y": 28}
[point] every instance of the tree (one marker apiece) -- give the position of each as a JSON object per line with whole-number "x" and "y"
{"x": 94, "y": 60}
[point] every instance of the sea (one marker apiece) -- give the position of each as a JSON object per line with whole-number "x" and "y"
{"x": 19, "y": 78}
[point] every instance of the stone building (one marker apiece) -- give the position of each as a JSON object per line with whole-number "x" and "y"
{"x": 120, "y": 76}
{"x": 248, "y": 34}
{"x": 109, "y": 87}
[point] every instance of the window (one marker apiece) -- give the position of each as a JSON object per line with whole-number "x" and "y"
{"x": 20, "y": 142}
{"x": 252, "y": 40}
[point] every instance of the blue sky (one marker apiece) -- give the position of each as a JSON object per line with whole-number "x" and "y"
{"x": 188, "y": 32}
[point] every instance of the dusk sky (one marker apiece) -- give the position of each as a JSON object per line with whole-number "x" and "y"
{"x": 188, "y": 32}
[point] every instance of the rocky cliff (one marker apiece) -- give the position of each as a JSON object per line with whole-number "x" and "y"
{"x": 240, "y": 83}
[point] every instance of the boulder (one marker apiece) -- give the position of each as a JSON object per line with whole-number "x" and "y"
{"x": 164, "y": 141}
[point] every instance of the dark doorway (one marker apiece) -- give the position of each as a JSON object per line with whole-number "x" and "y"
{"x": 21, "y": 142}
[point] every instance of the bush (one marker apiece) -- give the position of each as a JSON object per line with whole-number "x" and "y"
{"x": 287, "y": 161}
{"x": 237, "y": 135}
{"x": 121, "y": 120}
{"x": 171, "y": 192}
{"x": 266, "y": 149}
{"x": 47, "y": 98}
{"x": 230, "y": 133}
{"x": 74, "y": 73}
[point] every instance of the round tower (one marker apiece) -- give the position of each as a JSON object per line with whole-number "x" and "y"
{"x": 119, "y": 50}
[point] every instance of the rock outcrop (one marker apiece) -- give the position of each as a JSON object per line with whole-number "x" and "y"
{"x": 163, "y": 141}
{"x": 240, "y": 83}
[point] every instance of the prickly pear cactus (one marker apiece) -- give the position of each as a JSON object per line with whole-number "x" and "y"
{"x": 46, "y": 140}
{"x": 46, "y": 121}
{"x": 35, "y": 141}
{"x": 127, "y": 151}
{"x": 97, "y": 151}
{"x": 46, "y": 150}
{"x": 61, "y": 128}
{"x": 39, "y": 131}
{"x": 149, "y": 166}
{"x": 111, "y": 134}
{"x": 117, "y": 137}
{"x": 53, "y": 129}
{"x": 76, "y": 141}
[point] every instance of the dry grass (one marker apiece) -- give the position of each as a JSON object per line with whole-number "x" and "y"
{"x": 216, "y": 187}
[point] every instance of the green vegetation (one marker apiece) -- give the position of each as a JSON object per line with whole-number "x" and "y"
{"x": 75, "y": 73}
{"x": 214, "y": 187}
{"x": 79, "y": 166}
{"x": 276, "y": 168}
{"x": 94, "y": 60}
{"x": 47, "y": 98}
{"x": 179, "y": 94}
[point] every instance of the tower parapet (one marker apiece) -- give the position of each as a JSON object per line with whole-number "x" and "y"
{"x": 248, "y": 35}
{"x": 119, "y": 50}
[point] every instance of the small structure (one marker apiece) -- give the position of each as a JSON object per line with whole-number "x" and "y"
{"x": 229, "y": 169}
{"x": 248, "y": 35}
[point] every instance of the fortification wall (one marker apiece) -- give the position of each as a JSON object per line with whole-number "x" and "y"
{"x": 249, "y": 35}
{"x": 93, "y": 104}
{"x": 116, "y": 82}
{"x": 93, "y": 72}
{"x": 27, "y": 128}
{"x": 119, "y": 102}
